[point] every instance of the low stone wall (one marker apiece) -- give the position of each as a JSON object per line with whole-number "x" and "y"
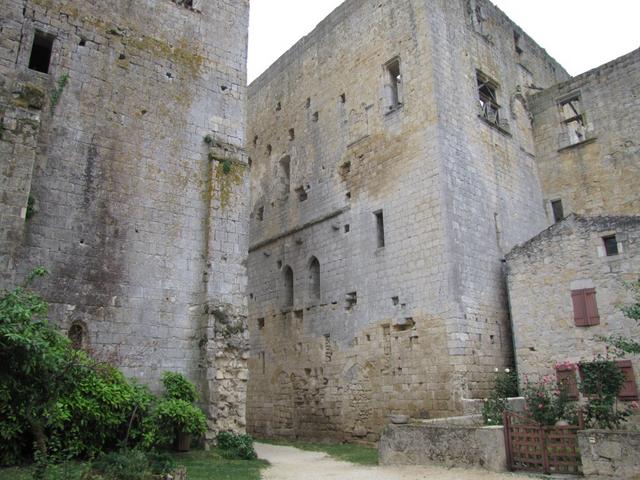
{"x": 473, "y": 406}
{"x": 448, "y": 444}
{"x": 610, "y": 454}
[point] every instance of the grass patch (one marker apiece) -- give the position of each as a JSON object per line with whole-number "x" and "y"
{"x": 201, "y": 465}
{"x": 347, "y": 452}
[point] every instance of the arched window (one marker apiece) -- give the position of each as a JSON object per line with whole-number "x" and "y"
{"x": 314, "y": 279}
{"x": 288, "y": 287}
{"x": 76, "y": 335}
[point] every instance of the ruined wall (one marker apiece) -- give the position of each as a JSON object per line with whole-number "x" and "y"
{"x": 141, "y": 223}
{"x": 594, "y": 172}
{"x": 418, "y": 321}
{"x": 542, "y": 274}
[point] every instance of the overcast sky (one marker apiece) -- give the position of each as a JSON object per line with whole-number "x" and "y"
{"x": 580, "y": 34}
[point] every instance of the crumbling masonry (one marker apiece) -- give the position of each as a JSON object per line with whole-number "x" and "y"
{"x": 394, "y": 165}
{"x": 107, "y": 181}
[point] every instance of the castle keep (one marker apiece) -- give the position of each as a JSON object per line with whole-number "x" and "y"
{"x": 107, "y": 181}
{"x": 396, "y": 160}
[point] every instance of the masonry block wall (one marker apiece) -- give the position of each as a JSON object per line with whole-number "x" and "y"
{"x": 564, "y": 261}
{"x": 586, "y": 134}
{"x": 143, "y": 226}
{"x": 384, "y": 196}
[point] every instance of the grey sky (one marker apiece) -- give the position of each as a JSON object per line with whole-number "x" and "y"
{"x": 580, "y": 34}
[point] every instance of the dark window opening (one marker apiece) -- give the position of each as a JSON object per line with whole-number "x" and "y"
{"x": 404, "y": 325}
{"x": 76, "y": 335}
{"x": 292, "y": 134}
{"x": 269, "y": 149}
{"x": 351, "y": 300}
{"x": 573, "y": 120}
{"x": 316, "y": 115}
{"x": 558, "y": 211}
{"x": 278, "y": 107}
{"x": 516, "y": 43}
{"x": 393, "y": 84}
{"x": 82, "y": 42}
{"x": 395, "y": 300}
{"x": 288, "y": 287}
{"x": 279, "y": 264}
{"x": 308, "y": 103}
{"x": 379, "y": 228}
{"x": 345, "y": 168}
{"x": 585, "y": 308}
{"x": 314, "y": 279}
{"x": 302, "y": 194}
{"x": 41, "y": 50}
{"x": 255, "y": 140}
{"x": 260, "y": 323}
{"x": 488, "y": 98}
{"x": 263, "y": 363}
{"x": 347, "y": 228}
{"x": 610, "y": 245}
{"x": 260, "y": 214}
{"x": 343, "y": 98}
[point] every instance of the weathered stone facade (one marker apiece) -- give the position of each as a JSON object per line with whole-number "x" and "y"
{"x": 392, "y": 169}
{"x": 142, "y": 224}
{"x": 542, "y": 274}
{"x": 591, "y": 165}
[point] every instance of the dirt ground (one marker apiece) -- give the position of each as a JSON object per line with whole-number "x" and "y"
{"x": 288, "y": 463}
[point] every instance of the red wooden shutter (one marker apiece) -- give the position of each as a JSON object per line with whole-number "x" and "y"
{"x": 579, "y": 308}
{"x": 591, "y": 307}
{"x": 566, "y": 377}
{"x": 629, "y": 389}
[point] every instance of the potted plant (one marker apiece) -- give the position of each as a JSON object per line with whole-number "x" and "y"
{"x": 177, "y": 419}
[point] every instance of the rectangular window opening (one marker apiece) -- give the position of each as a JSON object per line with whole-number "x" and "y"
{"x": 351, "y": 300}
{"x": 488, "y": 98}
{"x": 558, "y": 210}
{"x": 260, "y": 323}
{"x": 393, "y": 84}
{"x": 573, "y": 120}
{"x": 585, "y": 307}
{"x": 610, "y": 245}
{"x": 41, "y": 51}
{"x": 379, "y": 228}
{"x": 260, "y": 214}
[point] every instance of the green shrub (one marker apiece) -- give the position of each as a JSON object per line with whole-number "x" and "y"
{"x": 178, "y": 387}
{"x": 172, "y": 417}
{"x": 124, "y": 465}
{"x": 233, "y": 445}
{"x": 505, "y": 386}
{"x": 601, "y": 382}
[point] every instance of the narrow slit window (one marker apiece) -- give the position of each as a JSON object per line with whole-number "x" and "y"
{"x": 393, "y": 84}
{"x": 41, "y": 50}
{"x": 379, "y": 228}
{"x": 288, "y": 287}
{"x": 314, "y": 279}
{"x": 610, "y": 245}
{"x": 573, "y": 120}
{"x": 284, "y": 176}
{"x": 558, "y": 210}
{"x": 488, "y": 98}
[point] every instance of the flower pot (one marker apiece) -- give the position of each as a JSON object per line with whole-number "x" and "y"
{"x": 183, "y": 442}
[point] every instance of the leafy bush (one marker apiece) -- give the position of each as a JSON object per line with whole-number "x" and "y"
{"x": 234, "y": 445}
{"x": 178, "y": 387}
{"x": 171, "y": 417}
{"x": 601, "y": 383}
{"x": 546, "y": 403}
{"x": 124, "y": 465}
{"x": 505, "y": 386}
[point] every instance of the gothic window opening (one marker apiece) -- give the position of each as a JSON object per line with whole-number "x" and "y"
{"x": 287, "y": 276}
{"x": 314, "y": 279}
{"x": 41, "y": 51}
{"x": 77, "y": 335}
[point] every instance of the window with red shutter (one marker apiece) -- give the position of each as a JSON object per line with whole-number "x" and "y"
{"x": 629, "y": 389}
{"x": 585, "y": 308}
{"x": 566, "y": 377}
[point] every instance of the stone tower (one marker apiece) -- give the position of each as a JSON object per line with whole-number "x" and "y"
{"x": 393, "y": 168}
{"x": 123, "y": 173}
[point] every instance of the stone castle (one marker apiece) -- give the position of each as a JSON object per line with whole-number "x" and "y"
{"x": 398, "y": 153}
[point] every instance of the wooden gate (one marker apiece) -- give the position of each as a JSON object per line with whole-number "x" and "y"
{"x": 537, "y": 448}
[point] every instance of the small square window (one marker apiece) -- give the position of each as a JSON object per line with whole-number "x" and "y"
{"x": 41, "y": 50}
{"x": 610, "y": 245}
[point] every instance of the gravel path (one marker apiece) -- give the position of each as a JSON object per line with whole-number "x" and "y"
{"x": 288, "y": 463}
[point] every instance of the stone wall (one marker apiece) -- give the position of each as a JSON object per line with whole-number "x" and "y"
{"x": 598, "y": 173}
{"x": 610, "y": 454}
{"x": 142, "y": 225}
{"x": 416, "y": 322}
{"x": 447, "y": 444}
{"x": 541, "y": 276}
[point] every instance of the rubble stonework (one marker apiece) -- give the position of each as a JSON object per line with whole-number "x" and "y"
{"x": 543, "y": 273}
{"x": 142, "y": 224}
{"x": 374, "y": 158}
